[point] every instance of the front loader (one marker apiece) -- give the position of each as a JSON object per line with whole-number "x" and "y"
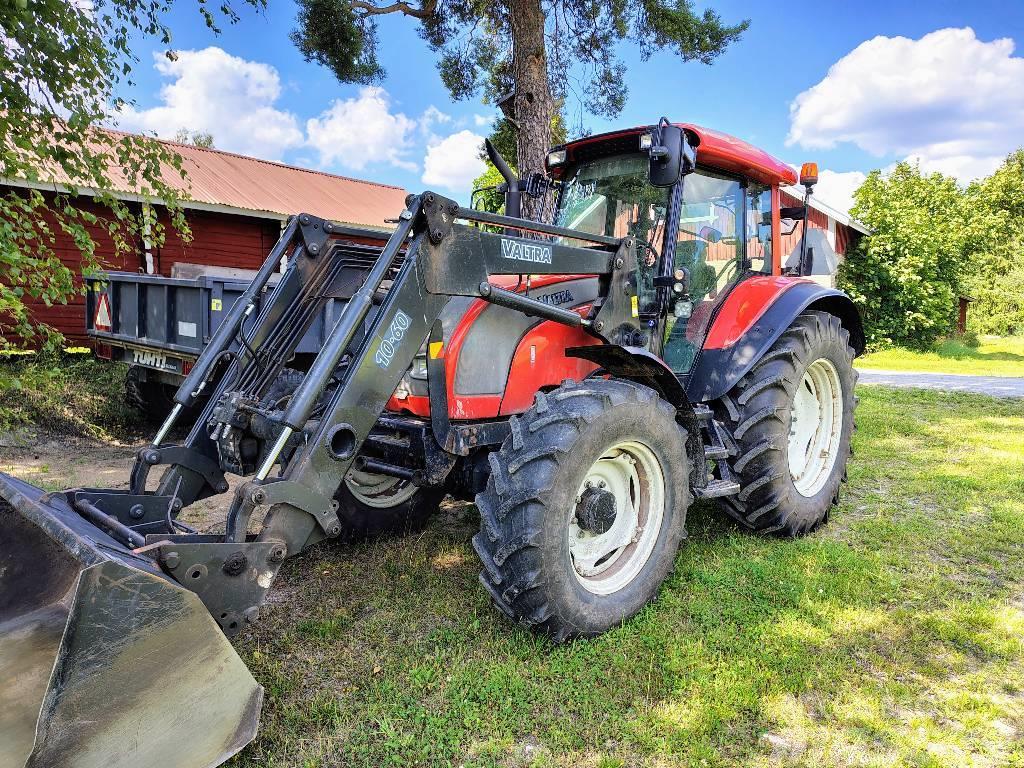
{"x": 582, "y": 380}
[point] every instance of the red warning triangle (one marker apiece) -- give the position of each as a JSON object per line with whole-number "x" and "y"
{"x": 101, "y": 320}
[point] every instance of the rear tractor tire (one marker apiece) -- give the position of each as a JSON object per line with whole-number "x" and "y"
{"x": 791, "y": 417}
{"x": 584, "y": 509}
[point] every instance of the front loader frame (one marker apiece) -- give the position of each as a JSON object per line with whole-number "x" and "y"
{"x": 429, "y": 258}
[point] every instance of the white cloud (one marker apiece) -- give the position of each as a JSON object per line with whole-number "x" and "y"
{"x": 432, "y": 116}
{"x": 453, "y": 162}
{"x": 224, "y": 95}
{"x": 836, "y": 188}
{"x": 483, "y": 121}
{"x": 354, "y": 133}
{"x": 948, "y": 100}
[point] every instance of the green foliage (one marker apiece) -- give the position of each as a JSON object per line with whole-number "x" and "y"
{"x": 66, "y": 393}
{"x": 195, "y": 138}
{"x": 62, "y": 66}
{"x": 996, "y": 252}
{"x": 907, "y": 276}
{"x": 333, "y": 34}
{"x": 474, "y": 42}
{"x": 969, "y": 354}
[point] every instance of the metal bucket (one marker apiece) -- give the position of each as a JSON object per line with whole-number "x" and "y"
{"x": 104, "y": 661}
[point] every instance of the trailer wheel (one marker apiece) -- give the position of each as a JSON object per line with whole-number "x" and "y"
{"x": 153, "y": 399}
{"x": 792, "y": 419}
{"x": 584, "y": 509}
{"x": 372, "y": 505}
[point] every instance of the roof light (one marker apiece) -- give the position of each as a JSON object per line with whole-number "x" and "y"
{"x": 646, "y": 141}
{"x": 809, "y": 174}
{"x": 556, "y": 158}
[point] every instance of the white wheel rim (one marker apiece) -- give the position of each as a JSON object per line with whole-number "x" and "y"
{"x": 379, "y": 491}
{"x": 607, "y": 562}
{"x": 816, "y": 427}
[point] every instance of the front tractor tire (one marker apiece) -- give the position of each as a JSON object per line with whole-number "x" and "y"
{"x": 584, "y": 509}
{"x": 791, "y": 417}
{"x": 371, "y": 506}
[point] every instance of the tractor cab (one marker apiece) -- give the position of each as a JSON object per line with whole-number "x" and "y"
{"x": 702, "y": 206}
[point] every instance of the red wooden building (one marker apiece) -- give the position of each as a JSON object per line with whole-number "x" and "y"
{"x": 235, "y": 206}
{"x": 831, "y": 234}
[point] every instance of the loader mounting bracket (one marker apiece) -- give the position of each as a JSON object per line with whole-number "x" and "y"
{"x": 231, "y": 578}
{"x": 143, "y": 513}
{"x": 315, "y": 233}
{"x": 182, "y": 456}
{"x": 269, "y": 493}
{"x": 439, "y": 213}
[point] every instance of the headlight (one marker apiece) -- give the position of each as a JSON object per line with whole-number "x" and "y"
{"x": 419, "y": 368}
{"x": 556, "y": 158}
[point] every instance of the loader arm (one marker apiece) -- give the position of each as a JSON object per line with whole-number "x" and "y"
{"x": 317, "y": 437}
{"x": 125, "y": 575}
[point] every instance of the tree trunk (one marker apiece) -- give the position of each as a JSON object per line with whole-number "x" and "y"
{"x": 533, "y": 104}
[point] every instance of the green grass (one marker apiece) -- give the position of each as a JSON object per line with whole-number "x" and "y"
{"x": 73, "y": 394}
{"x": 995, "y": 356}
{"x": 892, "y": 637}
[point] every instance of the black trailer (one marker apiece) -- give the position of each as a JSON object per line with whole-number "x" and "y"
{"x": 159, "y": 325}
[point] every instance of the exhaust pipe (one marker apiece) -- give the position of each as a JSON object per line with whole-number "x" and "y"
{"x": 104, "y": 661}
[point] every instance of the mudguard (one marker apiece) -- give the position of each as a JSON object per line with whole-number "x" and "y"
{"x": 731, "y": 350}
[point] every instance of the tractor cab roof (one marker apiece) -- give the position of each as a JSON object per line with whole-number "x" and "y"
{"x": 714, "y": 149}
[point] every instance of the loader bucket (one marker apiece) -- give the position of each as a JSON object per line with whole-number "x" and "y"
{"x": 104, "y": 661}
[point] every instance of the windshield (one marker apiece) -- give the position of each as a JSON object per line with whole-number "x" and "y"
{"x": 612, "y": 196}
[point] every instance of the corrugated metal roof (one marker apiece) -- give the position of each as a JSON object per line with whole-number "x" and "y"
{"x": 797, "y": 195}
{"x": 224, "y": 179}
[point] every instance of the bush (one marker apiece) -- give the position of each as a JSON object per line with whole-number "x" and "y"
{"x": 995, "y": 253}
{"x": 66, "y": 393}
{"x": 906, "y": 276}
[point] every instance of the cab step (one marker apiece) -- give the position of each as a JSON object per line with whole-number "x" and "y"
{"x": 716, "y": 489}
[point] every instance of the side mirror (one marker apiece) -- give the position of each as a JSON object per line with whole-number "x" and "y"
{"x": 671, "y": 154}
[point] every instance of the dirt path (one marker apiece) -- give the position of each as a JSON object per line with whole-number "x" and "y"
{"x": 994, "y": 386}
{"x": 57, "y": 462}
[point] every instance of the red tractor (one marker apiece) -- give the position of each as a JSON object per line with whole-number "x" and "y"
{"x": 583, "y": 380}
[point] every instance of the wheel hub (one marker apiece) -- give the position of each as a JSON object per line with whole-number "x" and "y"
{"x": 816, "y": 425}
{"x": 596, "y": 510}
{"x": 617, "y": 518}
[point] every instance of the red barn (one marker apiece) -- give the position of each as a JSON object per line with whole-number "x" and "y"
{"x": 831, "y": 233}
{"x": 236, "y": 207}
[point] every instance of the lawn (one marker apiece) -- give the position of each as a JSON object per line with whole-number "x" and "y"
{"x": 995, "y": 356}
{"x": 893, "y": 637}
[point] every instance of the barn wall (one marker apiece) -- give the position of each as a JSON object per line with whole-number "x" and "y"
{"x": 219, "y": 239}
{"x": 69, "y": 318}
{"x": 841, "y": 236}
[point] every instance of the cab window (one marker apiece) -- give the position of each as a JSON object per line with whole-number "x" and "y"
{"x": 759, "y": 228}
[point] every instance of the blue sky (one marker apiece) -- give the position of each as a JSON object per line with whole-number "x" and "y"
{"x": 853, "y": 85}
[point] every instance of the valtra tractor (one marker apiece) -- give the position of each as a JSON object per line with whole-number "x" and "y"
{"x": 582, "y": 380}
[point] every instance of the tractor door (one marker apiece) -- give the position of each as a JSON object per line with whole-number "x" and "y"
{"x": 724, "y": 235}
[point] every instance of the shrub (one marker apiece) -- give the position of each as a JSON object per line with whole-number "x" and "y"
{"x": 906, "y": 277}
